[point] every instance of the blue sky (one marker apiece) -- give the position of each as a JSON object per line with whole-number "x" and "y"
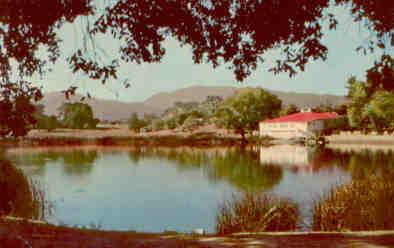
{"x": 177, "y": 69}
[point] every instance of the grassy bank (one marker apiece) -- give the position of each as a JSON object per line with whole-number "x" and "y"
{"x": 118, "y": 138}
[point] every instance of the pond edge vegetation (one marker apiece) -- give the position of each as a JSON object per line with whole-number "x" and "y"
{"x": 256, "y": 213}
{"x": 197, "y": 139}
{"x": 360, "y": 205}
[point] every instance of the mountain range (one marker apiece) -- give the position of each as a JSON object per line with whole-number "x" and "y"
{"x": 112, "y": 110}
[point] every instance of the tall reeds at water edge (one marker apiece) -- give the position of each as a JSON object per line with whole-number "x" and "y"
{"x": 361, "y": 205}
{"x": 256, "y": 213}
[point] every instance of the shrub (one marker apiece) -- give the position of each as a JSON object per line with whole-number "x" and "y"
{"x": 78, "y": 116}
{"x": 170, "y": 124}
{"x": 135, "y": 123}
{"x": 256, "y": 213}
{"x": 158, "y": 125}
{"x": 19, "y": 197}
{"x": 47, "y": 122}
{"x": 192, "y": 123}
{"x": 336, "y": 125}
{"x": 361, "y": 205}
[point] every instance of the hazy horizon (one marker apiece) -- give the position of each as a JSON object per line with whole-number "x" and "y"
{"x": 192, "y": 86}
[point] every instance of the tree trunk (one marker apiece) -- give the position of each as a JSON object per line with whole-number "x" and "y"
{"x": 242, "y": 132}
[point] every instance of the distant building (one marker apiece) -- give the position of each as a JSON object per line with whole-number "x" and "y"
{"x": 303, "y": 124}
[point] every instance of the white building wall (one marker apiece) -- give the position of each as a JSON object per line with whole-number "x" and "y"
{"x": 287, "y": 130}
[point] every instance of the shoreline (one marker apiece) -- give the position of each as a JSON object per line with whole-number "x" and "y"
{"x": 348, "y": 138}
{"x": 124, "y": 138}
{"x": 16, "y": 232}
{"x": 19, "y": 232}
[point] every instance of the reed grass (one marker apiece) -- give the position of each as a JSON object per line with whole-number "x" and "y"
{"x": 256, "y": 213}
{"x": 359, "y": 206}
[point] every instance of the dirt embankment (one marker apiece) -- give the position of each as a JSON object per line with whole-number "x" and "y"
{"x": 20, "y": 233}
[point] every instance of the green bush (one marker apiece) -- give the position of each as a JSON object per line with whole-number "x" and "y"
{"x": 136, "y": 124}
{"x": 170, "y": 124}
{"x": 192, "y": 123}
{"x": 48, "y": 122}
{"x": 256, "y": 213}
{"x": 339, "y": 124}
{"x": 361, "y": 205}
{"x": 78, "y": 116}
{"x": 157, "y": 125}
{"x": 18, "y": 196}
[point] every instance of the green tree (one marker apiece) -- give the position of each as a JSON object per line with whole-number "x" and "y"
{"x": 47, "y": 122}
{"x": 78, "y": 116}
{"x": 243, "y": 111}
{"x": 227, "y": 32}
{"x": 17, "y": 108}
{"x": 291, "y": 109}
{"x": 157, "y": 125}
{"x": 337, "y": 124}
{"x": 218, "y": 32}
{"x": 211, "y": 104}
{"x": 171, "y": 123}
{"x": 44, "y": 121}
{"x": 135, "y": 123}
{"x": 371, "y": 102}
{"x": 381, "y": 75}
{"x": 380, "y": 110}
{"x": 357, "y": 93}
{"x": 194, "y": 114}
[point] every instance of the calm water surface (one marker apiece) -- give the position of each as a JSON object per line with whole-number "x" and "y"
{"x": 182, "y": 188}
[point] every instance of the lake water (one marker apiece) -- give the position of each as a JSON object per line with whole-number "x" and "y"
{"x": 181, "y": 189}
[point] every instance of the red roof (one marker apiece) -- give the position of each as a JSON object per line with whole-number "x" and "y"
{"x": 303, "y": 117}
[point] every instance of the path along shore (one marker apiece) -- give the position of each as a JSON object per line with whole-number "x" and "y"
{"x": 360, "y": 138}
{"x": 16, "y": 233}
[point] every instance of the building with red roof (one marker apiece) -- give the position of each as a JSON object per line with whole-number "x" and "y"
{"x": 298, "y": 125}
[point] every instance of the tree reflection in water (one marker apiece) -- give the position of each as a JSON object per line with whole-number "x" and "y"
{"x": 364, "y": 164}
{"x": 75, "y": 162}
{"x": 79, "y": 162}
{"x": 19, "y": 197}
{"x": 240, "y": 167}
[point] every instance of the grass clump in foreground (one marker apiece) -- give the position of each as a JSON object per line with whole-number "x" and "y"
{"x": 360, "y": 205}
{"x": 256, "y": 213}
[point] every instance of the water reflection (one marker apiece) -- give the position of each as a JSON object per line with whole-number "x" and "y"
{"x": 365, "y": 163}
{"x": 360, "y": 163}
{"x": 79, "y": 162}
{"x": 287, "y": 155}
{"x": 152, "y": 189}
{"x": 75, "y": 162}
{"x": 239, "y": 167}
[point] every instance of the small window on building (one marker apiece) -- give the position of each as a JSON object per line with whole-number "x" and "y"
{"x": 283, "y": 125}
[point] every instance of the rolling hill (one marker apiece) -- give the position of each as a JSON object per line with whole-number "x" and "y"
{"x": 112, "y": 110}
